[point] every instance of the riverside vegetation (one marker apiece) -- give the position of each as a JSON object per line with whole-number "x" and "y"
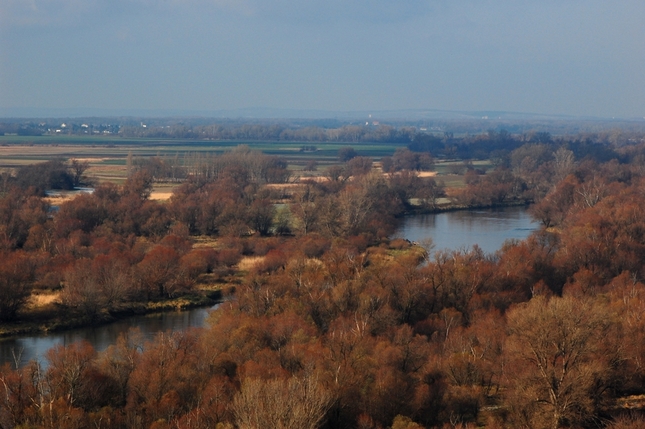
{"x": 331, "y": 324}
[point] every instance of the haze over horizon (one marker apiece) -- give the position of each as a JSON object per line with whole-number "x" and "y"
{"x": 571, "y": 57}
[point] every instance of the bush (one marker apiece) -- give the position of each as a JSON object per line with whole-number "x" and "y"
{"x": 272, "y": 262}
{"x": 314, "y": 246}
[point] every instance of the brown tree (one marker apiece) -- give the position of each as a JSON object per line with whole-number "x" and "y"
{"x": 16, "y": 276}
{"x": 161, "y": 274}
{"x": 68, "y": 373}
{"x": 558, "y": 369}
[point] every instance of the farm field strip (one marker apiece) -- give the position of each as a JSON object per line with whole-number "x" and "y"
{"x": 107, "y": 155}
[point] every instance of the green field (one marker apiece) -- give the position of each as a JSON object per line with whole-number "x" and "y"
{"x": 173, "y": 145}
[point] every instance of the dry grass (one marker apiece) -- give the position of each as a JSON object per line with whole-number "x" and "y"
{"x": 319, "y": 179}
{"x": 283, "y": 185}
{"x": 249, "y": 262}
{"x": 44, "y": 299}
{"x": 204, "y": 241}
{"x": 59, "y": 199}
{"x": 634, "y": 402}
{"x": 92, "y": 160}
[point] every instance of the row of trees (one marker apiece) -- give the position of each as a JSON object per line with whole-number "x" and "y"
{"x": 612, "y": 131}
{"x": 275, "y": 132}
{"x": 251, "y": 166}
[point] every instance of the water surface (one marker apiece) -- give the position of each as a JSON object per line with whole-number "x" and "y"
{"x": 461, "y": 230}
{"x": 35, "y": 346}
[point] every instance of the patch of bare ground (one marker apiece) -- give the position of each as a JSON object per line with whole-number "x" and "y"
{"x": 106, "y": 169}
{"x": 160, "y": 196}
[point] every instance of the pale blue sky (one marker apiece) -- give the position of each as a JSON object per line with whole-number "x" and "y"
{"x": 575, "y": 57}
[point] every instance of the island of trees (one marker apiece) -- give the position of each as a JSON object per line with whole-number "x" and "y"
{"x": 329, "y": 323}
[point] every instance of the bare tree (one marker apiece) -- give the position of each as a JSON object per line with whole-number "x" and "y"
{"x": 305, "y": 209}
{"x": 296, "y": 403}
{"x": 564, "y": 162}
{"x": 592, "y": 190}
{"x": 78, "y": 170}
{"x": 557, "y": 368}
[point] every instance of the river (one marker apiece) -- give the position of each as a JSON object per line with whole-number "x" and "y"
{"x": 29, "y": 347}
{"x": 460, "y": 230}
{"x": 450, "y": 230}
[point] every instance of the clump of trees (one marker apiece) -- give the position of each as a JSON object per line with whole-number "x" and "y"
{"x": 405, "y": 159}
{"x": 55, "y": 174}
{"x": 242, "y": 162}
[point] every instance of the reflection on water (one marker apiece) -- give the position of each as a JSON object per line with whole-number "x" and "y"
{"x": 35, "y": 346}
{"x": 460, "y": 230}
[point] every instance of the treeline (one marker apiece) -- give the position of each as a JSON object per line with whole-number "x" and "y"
{"x": 494, "y": 143}
{"x": 618, "y": 132}
{"x": 532, "y": 171}
{"x": 264, "y": 169}
{"x": 445, "y": 145}
{"x": 498, "y": 145}
{"x": 254, "y": 166}
{"x": 491, "y": 144}
{"x": 335, "y": 325}
{"x": 275, "y": 132}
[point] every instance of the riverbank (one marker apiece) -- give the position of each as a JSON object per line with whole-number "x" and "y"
{"x": 55, "y": 317}
{"x": 444, "y": 205}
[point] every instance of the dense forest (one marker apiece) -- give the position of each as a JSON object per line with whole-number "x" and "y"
{"x": 335, "y": 325}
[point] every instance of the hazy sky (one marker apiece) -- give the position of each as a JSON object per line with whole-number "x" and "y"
{"x": 577, "y": 57}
